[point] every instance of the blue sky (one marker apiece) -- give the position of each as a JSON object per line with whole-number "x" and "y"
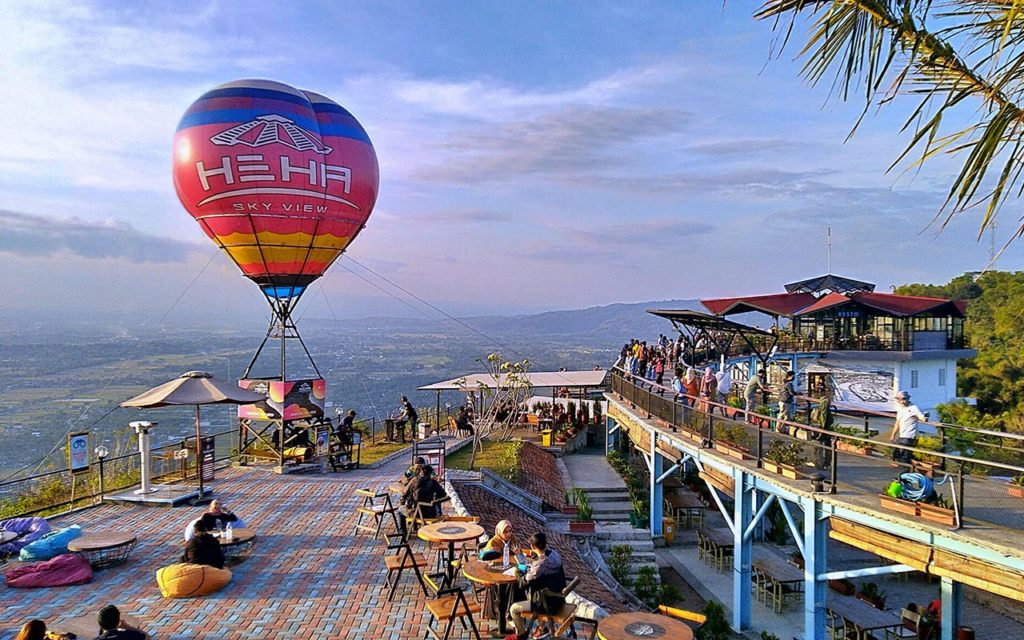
{"x": 534, "y": 155}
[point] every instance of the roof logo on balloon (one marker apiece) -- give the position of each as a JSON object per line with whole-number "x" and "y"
{"x": 270, "y": 129}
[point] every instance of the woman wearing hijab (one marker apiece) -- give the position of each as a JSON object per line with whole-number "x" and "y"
{"x": 709, "y": 389}
{"x": 495, "y": 547}
{"x": 691, "y": 386}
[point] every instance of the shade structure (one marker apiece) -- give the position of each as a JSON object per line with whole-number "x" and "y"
{"x": 194, "y": 388}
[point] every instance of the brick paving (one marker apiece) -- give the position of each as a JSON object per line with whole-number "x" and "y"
{"x": 309, "y": 576}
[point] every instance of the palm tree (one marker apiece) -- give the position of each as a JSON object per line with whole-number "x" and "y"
{"x": 944, "y": 53}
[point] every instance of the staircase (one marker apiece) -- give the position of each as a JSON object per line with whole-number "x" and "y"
{"x": 608, "y": 536}
{"x": 610, "y": 504}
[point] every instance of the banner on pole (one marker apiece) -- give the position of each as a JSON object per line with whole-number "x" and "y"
{"x": 78, "y": 452}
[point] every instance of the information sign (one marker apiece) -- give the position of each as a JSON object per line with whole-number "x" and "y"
{"x": 78, "y": 452}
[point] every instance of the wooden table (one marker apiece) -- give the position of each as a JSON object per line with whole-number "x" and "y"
{"x": 686, "y": 506}
{"x": 396, "y": 487}
{"x": 450, "y": 533}
{"x": 646, "y": 626}
{"x": 484, "y": 573}
{"x": 715, "y": 544}
{"x": 777, "y": 579}
{"x": 862, "y": 616}
{"x": 239, "y": 546}
{"x": 104, "y": 548}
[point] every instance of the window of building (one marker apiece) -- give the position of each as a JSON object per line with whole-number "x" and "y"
{"x": 942, "y": 377}
{"x": 913, "y": 379}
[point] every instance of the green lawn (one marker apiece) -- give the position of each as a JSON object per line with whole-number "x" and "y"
{"x": 373, "y": 453}
{"x": 489, "y": 457}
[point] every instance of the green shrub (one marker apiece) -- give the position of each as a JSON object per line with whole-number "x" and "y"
{"x": 648, "y": 591}
{"x": 791, "y": 454}
{"x": 735, "y": 435}
{"x": 715, "y": 627}
{"x": 620, "y": 564}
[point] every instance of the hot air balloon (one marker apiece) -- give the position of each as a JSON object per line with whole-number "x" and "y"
{"x": 282, "y": 180}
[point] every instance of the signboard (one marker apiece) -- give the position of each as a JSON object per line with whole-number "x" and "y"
{"x": 78, "y": 452}
{"x": 323, "y": 441}
{"x": 294, "y": 400}
{"x": 207, "y": 457}
{"x": 356, "y": 438}
{"x": 181, "y": 454}
{"x": 436, "y": 460}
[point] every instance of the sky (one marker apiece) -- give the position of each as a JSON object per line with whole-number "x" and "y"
{"x": 533, "y": 156}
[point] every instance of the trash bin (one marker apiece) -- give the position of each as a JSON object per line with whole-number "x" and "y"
{"x": 545, "y": 437}
{"x": 424, "y": 431}
{"x": 965, "y": 633}
{"x": 669, "y": 530}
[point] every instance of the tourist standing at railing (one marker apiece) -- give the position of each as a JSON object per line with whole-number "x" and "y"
{"x": 754, "y": 384}
{"x": 645, "y": 355}
{"x": 822, "y": 418}
{"x": 677, "y": 351}
{"x": 724, "y": 379}
{"x": 691, "y": 386}
{"x": 659, "y": 369}
{"x": 787, "y": 397}
{"x": 677, "y": 381}
{"x": 904, "y": 432}
{"x": 709, "y": 389}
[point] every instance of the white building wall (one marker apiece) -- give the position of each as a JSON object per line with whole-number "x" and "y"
{"x": 935, "y": 380}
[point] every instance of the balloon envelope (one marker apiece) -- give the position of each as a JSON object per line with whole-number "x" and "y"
{"x": 281, "y": 179}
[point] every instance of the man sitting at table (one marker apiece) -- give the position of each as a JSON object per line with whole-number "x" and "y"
{"x": 203, "y": 548}
{"x": 221, "y": 515}
{"x": 112, "y": 627}
{"x": 544, "y": 573}
{"x": 463, "y": 423}
{"x": 423, "y": 488}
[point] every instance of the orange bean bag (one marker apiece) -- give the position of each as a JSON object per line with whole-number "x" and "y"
{"x": 185, "y": 580}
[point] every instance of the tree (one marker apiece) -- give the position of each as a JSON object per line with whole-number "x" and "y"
{"x": 503, "y": 400}
{"x": 961, "y": 53}
{"x": 995, "y": 327}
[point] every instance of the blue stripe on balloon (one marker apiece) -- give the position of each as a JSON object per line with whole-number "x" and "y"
{"x": 251, "y": 92}
{"x": 238, "y": 116}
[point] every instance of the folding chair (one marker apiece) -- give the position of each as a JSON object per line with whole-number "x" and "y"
{"x": 419, "y": 519}
{"x": 402, "y": 560}
{"x": 377, "y": 506}
{"x": 560, "y": 621}
{"x": 449, "y": 606}
{"x": 908, "y": 630}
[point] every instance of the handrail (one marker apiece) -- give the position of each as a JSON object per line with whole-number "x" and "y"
{"x": 810, "y": 428}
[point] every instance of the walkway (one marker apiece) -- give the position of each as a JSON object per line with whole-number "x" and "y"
{"x": 589, "y": 469}
{"x": 308, "y": 577}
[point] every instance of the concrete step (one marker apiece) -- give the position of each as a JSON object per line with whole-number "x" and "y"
{"x": 611, "y": 516}
{"x": 597, "y": 490}
{"x": 639, "y": 546}
{"x": 612, "y": 506}
{"x": 616, "y": 496}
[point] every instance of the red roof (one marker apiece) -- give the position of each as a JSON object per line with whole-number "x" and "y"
{"x": 890, "y": 303}
{"x": 776, "y": 304}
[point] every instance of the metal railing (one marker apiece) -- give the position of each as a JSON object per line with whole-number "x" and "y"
{"x": 974, "y": 486}
{"x": 53, "y": 491}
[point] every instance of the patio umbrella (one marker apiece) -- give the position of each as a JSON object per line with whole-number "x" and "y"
{"x": 195, "y": 388}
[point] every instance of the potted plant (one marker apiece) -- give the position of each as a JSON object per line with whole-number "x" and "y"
{"x": 937, "y": 508}
{"x": 597, "y": 412}
{"x": 844, "y": 586}
{"x": 733, "y": 441}
{"x": 890, "y": 499}
{"x": 641, "y": 516}
{"x": 560, "y": 437}
{"x": 852, "y": 446}
{"x": 583, "y": 522}
{"x": 871, "y": 594}
{"x": 1016, "y": 486}
{"x": 785, "y": 459}
{"x": 571, "y": 506}
{"x": 734, "y": 405}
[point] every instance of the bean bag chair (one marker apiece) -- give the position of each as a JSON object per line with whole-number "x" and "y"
{"x": 29, "y": 530}
{"x": 185, "y": 580}
{"x": 62, "y": 571}
{"x": 190, "y": 531}
{"x": 50, "y": 545}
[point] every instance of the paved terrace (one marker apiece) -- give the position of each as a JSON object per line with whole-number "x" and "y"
{"x": 309, "y": 576}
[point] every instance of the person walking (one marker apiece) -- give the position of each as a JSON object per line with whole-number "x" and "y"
{"x": 904, "y": 431}
{"x": 691, "y": 386}
{"x": 708, "y": 389}
{"x": 724, "y": 378}
{"x": 822, "y": 418}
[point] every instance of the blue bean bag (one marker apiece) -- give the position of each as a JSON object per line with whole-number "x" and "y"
{"x": 51, "y": 545}
{"x": 28, "y": 530}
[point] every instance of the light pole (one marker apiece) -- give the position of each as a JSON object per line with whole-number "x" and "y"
{"x": 101, "y": 454}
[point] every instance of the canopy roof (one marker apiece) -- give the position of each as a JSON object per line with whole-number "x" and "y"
{"x": 775, "y": 304}
{"x": 194, "y": 388}
{"x": 890, "y": 303}
{"x": 829, "y": 282}
{"x": 538, "y": 379}
{"x": 704, "y": 321}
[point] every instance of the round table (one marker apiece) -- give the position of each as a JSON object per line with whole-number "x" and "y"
{"x": 239, "y": 546}
{"x": 450, "y": 533}
{"x": 396, "y": 487}
{"x": 104, "y": 548}
{"x": 484, "y": 573}
{"x": 634, "y": 625}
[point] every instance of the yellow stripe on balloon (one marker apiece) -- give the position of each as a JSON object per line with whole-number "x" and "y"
{"x": 256, "y": 255}
{"x": 298, "y": 239}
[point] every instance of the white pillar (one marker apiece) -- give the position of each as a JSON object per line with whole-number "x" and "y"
{"x": 142, "y": 428}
